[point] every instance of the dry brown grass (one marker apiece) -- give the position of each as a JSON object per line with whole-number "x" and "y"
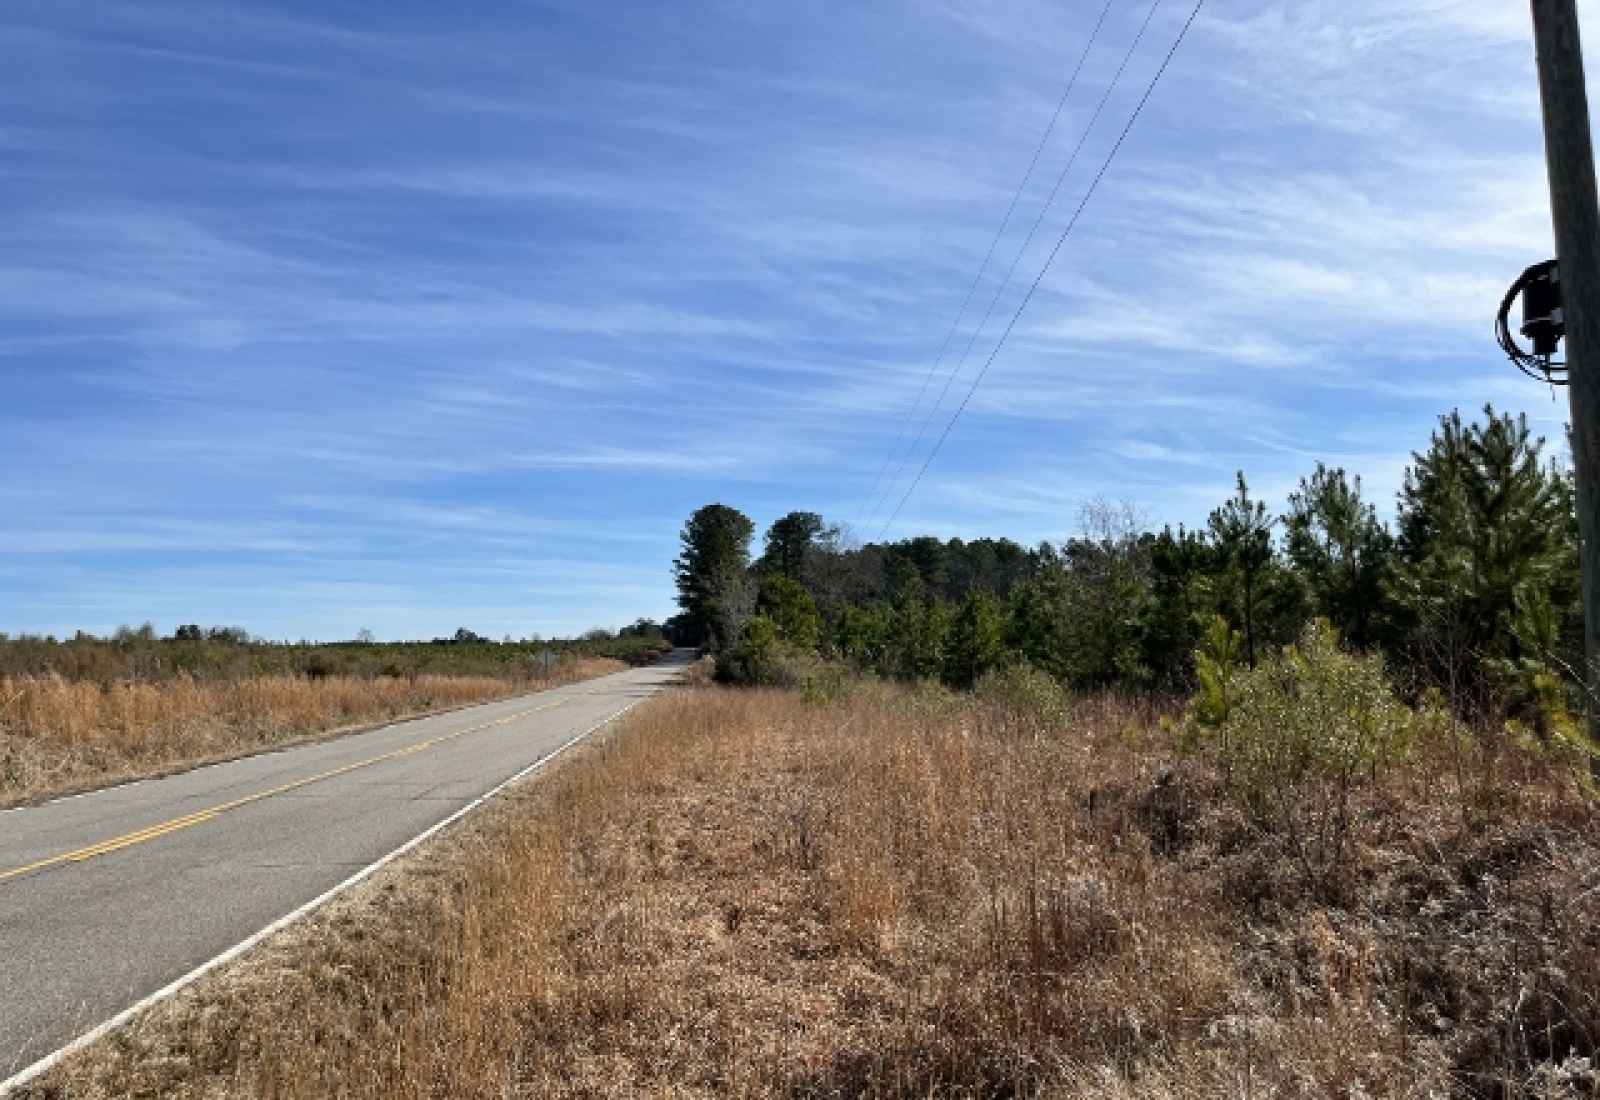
{"x": 59, "y": 735}
{"x": 908, "y": 895}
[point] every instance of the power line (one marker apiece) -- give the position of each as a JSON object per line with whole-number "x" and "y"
{"x": 1093, "y": 187}
{"x": 1005, "y": 223}
{"x": 1061, "y": 179}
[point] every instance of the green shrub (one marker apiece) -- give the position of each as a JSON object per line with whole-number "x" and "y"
{"x": 1026, "y": 699}
{"x": 1216, "y": 666}
{"x": 1302, "y": 732}
{"x": 764, "y": 658}
{"x": 751, "y": 661}
{"x": 792, "y": 611}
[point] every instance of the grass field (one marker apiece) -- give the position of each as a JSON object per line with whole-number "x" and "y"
{"x": 902, "y": 893}
{"x": 59, "y": 735}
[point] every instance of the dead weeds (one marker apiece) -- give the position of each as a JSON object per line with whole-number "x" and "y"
{"x": 743, "y": 894}
{"x": 60, "y": 736}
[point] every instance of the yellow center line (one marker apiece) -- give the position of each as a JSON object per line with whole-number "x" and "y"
{"x": 128, "y": 840}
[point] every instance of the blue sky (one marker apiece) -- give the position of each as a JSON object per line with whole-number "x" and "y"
{"x": 410, "y": 316}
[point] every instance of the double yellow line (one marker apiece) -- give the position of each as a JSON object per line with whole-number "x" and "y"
{"x": 128, "y": 840}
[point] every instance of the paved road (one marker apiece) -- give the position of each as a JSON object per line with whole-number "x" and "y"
{"x": 107, "y": 897}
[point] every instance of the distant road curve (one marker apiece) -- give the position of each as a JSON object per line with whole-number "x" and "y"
{"x": 113, "y": 899}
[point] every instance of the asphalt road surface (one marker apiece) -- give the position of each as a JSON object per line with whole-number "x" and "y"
{"x": 107, "y": 897}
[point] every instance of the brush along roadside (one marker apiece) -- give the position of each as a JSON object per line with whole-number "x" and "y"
{"x": 60, "y": 736}
{"x": 876, "y": 891}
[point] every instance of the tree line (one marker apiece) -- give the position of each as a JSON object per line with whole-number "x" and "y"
{"x": 225, "y": 653}
{"x": 1474, "y": 588}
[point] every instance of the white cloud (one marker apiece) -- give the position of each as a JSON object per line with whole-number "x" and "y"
{"x": 279, "y": 290}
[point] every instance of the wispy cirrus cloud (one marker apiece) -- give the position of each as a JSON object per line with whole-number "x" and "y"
{"x": 400, "y": 310}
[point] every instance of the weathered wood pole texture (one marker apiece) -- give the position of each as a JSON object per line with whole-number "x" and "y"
{"x": 1575, "y": 210}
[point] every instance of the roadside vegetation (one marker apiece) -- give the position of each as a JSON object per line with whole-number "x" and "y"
{"x": 1473, "y": 591}
{"x": 86, "y": 711}
{"x": 1296, "y": 805}
{"x": 869, "y": 889}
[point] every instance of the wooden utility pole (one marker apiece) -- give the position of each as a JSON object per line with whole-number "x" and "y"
{"x": 1575, "y": 209}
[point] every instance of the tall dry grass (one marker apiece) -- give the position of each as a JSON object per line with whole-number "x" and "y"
{"x": 902, "y": 894}
{"x": 58, "y": 734}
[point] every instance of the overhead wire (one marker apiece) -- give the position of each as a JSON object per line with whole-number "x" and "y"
{"x": 1044, "y": 210}
{"x": 1005, "y": 223}
{"x": 1061, "y": 241}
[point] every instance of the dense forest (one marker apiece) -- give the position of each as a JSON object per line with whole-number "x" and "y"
{"x": 1473, "y": 590}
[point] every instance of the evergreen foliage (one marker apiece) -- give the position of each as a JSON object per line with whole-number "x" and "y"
{"x": 1487, "y": 577}
{"x": 715, "y": 588}
{"x": 1476, "y": 592}
{"x": 1335, "y": 541}
{"x": 1241, "y": 532}
{"x": 977, "y": 644}
{"x": 1216, "y": 666}
{"x": 791, "y": 610}
{"x": 1302, "y": 731}
{"x": 789, "y": 542}
{"x": 1181, "y": 601}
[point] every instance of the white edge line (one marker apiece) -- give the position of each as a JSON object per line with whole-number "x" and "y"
{"x": 50, "y": 1061}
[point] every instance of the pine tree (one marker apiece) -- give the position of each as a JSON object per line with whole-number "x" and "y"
{"x": 1242, "y": 533}
{"x": 715, "y": 588}
{"x": 1182, "y": 601}
{"x": 1488, "y": 550}
{"x": 1037, "y": 613}
{"x": 1342, "y": 551}
{"x": 788, "y": 543}
{"x": 977, "y": 639}
{"x": 1109, "y": 575}
{"x": 790, "y": 608}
